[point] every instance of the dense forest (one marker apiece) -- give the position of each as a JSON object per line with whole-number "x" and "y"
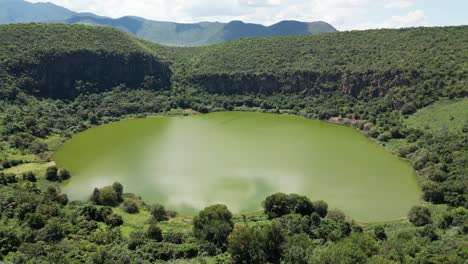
{"x": 57, "y": 80}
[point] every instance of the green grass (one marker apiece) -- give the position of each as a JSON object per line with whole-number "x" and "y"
{"x": 451, "y": 115}
{"x": 133, "y": 222}
{"x": 37, "y": 168}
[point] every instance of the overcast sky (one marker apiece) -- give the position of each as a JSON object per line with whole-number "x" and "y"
{"x": 343, "y": 14}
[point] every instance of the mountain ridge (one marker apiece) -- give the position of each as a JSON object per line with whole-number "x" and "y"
{"x": 161, "y": 32}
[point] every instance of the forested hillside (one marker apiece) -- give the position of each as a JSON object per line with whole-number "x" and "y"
{"x": 57, "y": 80}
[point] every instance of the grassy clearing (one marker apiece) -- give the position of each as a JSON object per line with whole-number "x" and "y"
{"x": 451, "y": 115}
{"x": 37, "y": 168}
{"x": 133, "y": 222}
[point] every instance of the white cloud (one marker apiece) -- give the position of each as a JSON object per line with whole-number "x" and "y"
{"x": 411, "y": 19}
{"x": 343, "y": 14}
{"x": 397, "y": 4}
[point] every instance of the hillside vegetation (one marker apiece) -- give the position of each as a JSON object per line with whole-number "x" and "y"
{"x": 57, "y": 80}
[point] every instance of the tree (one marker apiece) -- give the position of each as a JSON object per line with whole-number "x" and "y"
{"x": 273, "y": 239}
{"x": 277, "y": 205}
{"x": 419, "y": 216}
{"x": 108, "y": 196}
{"x": 64, "y": 174}
{"x": 297, "y": 248}
{"x": 154, "y": 233}
{"x": 118, "y": 188}
{"x": 432, "y": 192}
{"x": 35, "y": 221}
{"x": 52, "y": 232}
{"x": 95, "y": 196}
{"x": 408, "y": 109}
{"x": 321, "y": 208}
{"x": 244, "y": 246}
{"x": 293, "y": 224}
{"x": 301, "y": 204}
{"x": 130, "y": 206}
{"x": 213, "y": 225}
{"x": 51, "y": 173}
{"x": 29, "y": 176}
{"x": 113, "y": 220}
{"x": 158, "y": 212}
{"x": 379, "y": 232}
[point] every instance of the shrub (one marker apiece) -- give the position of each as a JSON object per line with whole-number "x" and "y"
{"x": 419, "y": 216}
{"x": 113, "y": 220}
{"x": 109, "y": 195}
{"x": 52, "y": 173}
{"x": 158, "y": 212}
{"x": 64, "y": 174}
{"x": 277, "y": 205}
{"x": 321, "y": 208}
{"x": 29, "y": 176}
{"x": 213, "y": 225}
{"x": 154, "y": 233}
{"x": 130, "y": 206}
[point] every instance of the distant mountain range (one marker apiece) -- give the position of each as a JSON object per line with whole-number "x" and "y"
{"x": 166, "y": 33}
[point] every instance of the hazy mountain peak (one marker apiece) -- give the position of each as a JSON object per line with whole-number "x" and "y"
{"x": 167, "y": 33}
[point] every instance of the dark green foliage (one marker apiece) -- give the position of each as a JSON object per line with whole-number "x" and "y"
{"x": 155, "y": 233}
{"x": 297, "y": 249}
{"x": 64, "y": 174}
{"x": 213, "y": 225}
{"x": 277, "y": 205}
{"x": 158, "y": 212}
{"x": 280, "y": 204}
{"x": 52, "y": 232}
{"x": 52, "y": 174}
{"x": 29, "y": 176}
{"x": 244, "y": 247}
{"x": 419, "y": 216}
{"x": 379, "y": 232}
{"x": 130, "y": 206}
{"x": 7, "y": 178}
{"x": 294, "y": 224}
{"x": 321, "y": 208}
{"x": 109, "y": 195}
{"x": 355, "y": 249}
{"x": 256, "y": 245}
{"x": 35, "y": 221}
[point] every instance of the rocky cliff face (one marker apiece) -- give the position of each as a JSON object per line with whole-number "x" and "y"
{"x": 354, "y": 84}
{"x": 65, "y": 75}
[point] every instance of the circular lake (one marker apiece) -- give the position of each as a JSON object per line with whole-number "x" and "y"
{"x": 238, "y": 158}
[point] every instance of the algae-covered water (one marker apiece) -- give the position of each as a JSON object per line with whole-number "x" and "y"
{"x": 238, "y": 158}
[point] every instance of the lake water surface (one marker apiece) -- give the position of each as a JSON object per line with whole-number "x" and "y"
{"x": 238, "y": 158}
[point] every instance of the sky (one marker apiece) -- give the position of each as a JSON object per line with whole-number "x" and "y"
{"x": 342, "y": 14}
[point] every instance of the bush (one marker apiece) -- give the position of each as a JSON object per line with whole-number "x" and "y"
{"x": 213, "y": 225}
{"x": 109, "y": 195}
{"x": 113, "y": 220}
{"x": 277, "y": 205}
{"x": 419, "y": 216}
{"x": 154, "y": 233}
{"x": 130, "y": 206}
{"x": 321, "y": 208}
{"x": 52, "y": 173}
{"x": 408, "y": 109}
{"x": 29, "y": 176}
{"x": 158, "y": 212}
{"x": 64, "y": 175}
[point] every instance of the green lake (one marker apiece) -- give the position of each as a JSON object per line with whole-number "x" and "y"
{"x": 238, "y": 158}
